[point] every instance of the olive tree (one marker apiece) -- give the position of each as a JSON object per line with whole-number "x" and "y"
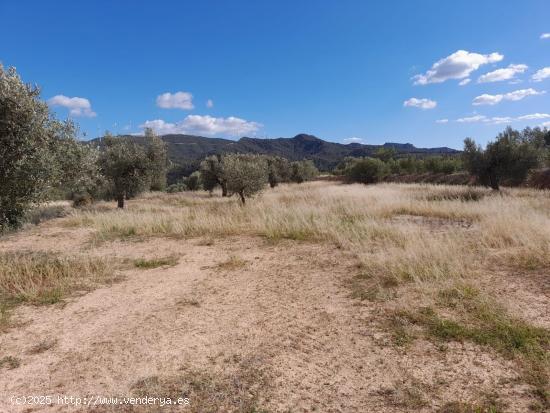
{"x": 279, "y": 170}
{"x": 246, "y": 175}
{"x": 126, "y": 166}
{"x": 27, "y": 133}
{"x": 510, "y": 156}
{"x": 156, "y": 151}
{"x": 213, "y": 173}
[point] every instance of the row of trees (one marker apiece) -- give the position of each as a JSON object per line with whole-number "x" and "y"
{"x": 245, "y": 174}
{"x": 370, "y": 170}
{"x": 509, "y": 158}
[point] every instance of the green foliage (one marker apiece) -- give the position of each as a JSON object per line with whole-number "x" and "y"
{"x": 127, "y": 167}
{"x": 279, "y": 170}
{"x": 78, "y": 175}
{"x": 365, "y": 170}
{"x": 193, "y": 181}
{"x": 385, "y": 154}
{"x": 212, "y": 174}
{"x": 158, "y": 158}
{"x": 28, "y": 138}
{"x": 246, "y": 175}
{"x": 511, "y": 156}
{"x": 303, "y": 171}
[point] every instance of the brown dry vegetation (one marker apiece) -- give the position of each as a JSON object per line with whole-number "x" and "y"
{"x": 318, "y": 296}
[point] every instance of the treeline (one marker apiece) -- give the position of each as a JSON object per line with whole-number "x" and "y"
{"x": 244, "y": 174}
{"x": 509, "y": 158}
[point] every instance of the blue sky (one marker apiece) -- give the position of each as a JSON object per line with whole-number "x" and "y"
{"x": 341, "y": 70}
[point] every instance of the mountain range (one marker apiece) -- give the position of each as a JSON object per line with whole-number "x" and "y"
{"x": 186, "y": 151}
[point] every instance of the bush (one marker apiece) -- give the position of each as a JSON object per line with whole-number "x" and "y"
{"x": 193, "y": 181}
{"x": 365, "y": 170}
{"x": 303, "y": 171}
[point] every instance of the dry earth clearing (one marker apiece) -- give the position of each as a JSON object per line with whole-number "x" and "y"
{"x": 314, "y": 297}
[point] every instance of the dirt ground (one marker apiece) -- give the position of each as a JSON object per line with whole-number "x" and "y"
{"x": 286, "y": 305}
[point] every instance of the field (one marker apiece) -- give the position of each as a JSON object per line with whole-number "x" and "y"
{"x": 313, "y": 297}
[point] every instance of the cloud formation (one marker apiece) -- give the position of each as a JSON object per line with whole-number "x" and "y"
{"x": 496, "y": 120}
{"x": 204, "y": 125}
{"x": 499, "y": 75}
{"x": 458, "y": 65}
{"x": 516, "y": 95}
{"x": 465, "y": 82}
{"x": 209, "y": 103}
{"x": 178, "y": 100}
{"x": 77, "y": 106}
{"x": 420, "y": 103}
{"x": 541, "y": 74}
{"x": 545, "y": 36}
{"x": 441, "y": 121}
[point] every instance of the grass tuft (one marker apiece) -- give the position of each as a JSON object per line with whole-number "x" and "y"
{"x": 148, "y": 264}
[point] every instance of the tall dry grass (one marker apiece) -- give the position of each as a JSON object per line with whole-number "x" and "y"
{"x": 413, "y": 231}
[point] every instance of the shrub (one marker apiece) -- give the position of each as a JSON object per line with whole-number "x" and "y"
{"x": 365, "y": 170}
{"x": 193, "y": 181}
{"x": 303, "y": 171}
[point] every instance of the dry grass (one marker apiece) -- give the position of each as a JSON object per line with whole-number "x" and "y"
{"x": 420, "y": 243}
{"x": 237, "y": 389}
{"x": 151, "y": 263}
{"x": 46, "y": 278}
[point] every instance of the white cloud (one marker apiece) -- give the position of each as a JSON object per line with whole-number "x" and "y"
{"x": 204, "y": 125}
{"x": 209, "y": 103}
{"x": 77, "y": 106}
{"x": 545, "y": 36}
{"x": 353, "y": 140}
{"x": 545, "y": 124}
{"x": 459, "y": 65}
{"x": 471, "y": 119}
{"x": 502, "y": 74}
{"x": 516, "y": 95}
{"x": 465, "y": 81}
{"x": 420, "y": 103}
{"x": 442, "y": 121}
{"x": 534, "y": 116}
{"x": 541, "y": 74}
{"x": 178, "y": 100}
{"x": 505, "y": 119}
{"x": 486, "y": 99}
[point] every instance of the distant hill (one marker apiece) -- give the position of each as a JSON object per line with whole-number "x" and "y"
{"x": 187, "y": 151}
